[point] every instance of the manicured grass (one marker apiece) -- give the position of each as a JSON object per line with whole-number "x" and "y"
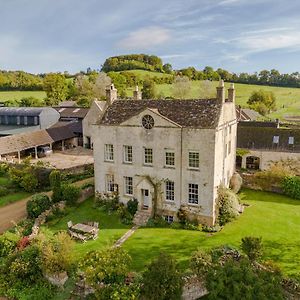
{"x": 17, "y": 95}
{"x": 111, "y": 229}
{"x": 13, "y": 197}
{"x": 273, "y": 217}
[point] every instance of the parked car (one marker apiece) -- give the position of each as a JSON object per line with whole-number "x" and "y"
{"x": 42, "y": 151}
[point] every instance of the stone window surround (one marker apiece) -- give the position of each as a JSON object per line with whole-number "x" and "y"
{"x": 169, "y": 219}
{"x": 148, "y": 156}
{"x": 127, "y": 154}
{"x": 169, "y": 158}
{"x": 109, "y": 152}
{"x": 170, "y": 191}
{"x": 193, "y": 160}
{"x": 110, "y": 182}
{"x": 193, "y": 193}
{"x": 128, "y": 186}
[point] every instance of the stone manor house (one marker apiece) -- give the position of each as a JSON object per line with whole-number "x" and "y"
{"x": 168, "y": 154}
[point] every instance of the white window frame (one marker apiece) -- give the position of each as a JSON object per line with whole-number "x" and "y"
{"x": 128, "y": 157}
{"x": 169, "y": 160}
{"x": 128, "y": 185}
{"x": 193, "y": 159}
{"x": 276, "y": 139}
{"x": 291, "y": 140}
{"x": 109, "y": 152}
{"x": 110, "y": 183}
{"x": 193, "y": 195}
{"x": 169, "y": 219}
{"x": 170, "y": 190}
{"x": 148, "y": 156}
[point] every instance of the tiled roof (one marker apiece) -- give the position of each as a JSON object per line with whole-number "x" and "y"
{"x": 60, "y": 133}
{"x": 23, "y": 141}
{"x": 187, "y": 113}
{"x": 72, "y": 112}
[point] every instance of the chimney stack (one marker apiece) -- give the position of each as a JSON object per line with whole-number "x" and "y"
{"x": 221, "y": 92}
{"x": 137, "y": 95}
{"x": 111, "y": 94}
{"x": 231, "y": 93}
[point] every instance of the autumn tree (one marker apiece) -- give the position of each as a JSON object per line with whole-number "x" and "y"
{"x": 262, "y": 101}
{"x": 206, "y": 89}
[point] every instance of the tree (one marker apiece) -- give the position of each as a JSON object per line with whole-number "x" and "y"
{"x": 162, "y": 279}
{"x": 55, "y": 86}
{"x": 181, "y": 87}
{"x": 148, "y": 89}
{"x": 56, "y": 186}
{"x": 167, "y": 68}
{"x": 262, "y": 101}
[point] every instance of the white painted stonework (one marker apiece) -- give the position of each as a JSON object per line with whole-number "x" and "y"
{"x": 216, "y": 166}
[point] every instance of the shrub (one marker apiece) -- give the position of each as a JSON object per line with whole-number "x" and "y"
{"x": 3, "y": 169}
{"x": 25, "y": 227}
{"x": 29, "y": 183}
{"x": 215, "y": 228}
{"x": 132, "y": 206}
{"x": 162, "y": 279}
{"x": 291, "y": 186}
{"x": 239, "y": 279}
{"x": 228, "y": 206}
{"x": 117, "y": 291}
{"x": 23, "y": 243}
{"x": 70, "y": 194}
{"x": 200, "y": 262}
{"x": 8, "y": 243}
{"x": 56, "y": 252}
{"x": 3, "y": 191}
{"x": 55, "y": 183}
{"x": 105, "y": 266}
{"x": 107, "y": 201}
{"x": 252, "y": 247}
{"x": 157, "y": 222}
{"x": 38, "y": 204}
{"x": 123, "y": 213}
{"x": 182, "y": 216}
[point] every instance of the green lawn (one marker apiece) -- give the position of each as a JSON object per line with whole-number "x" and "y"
{"x": 274, "y": 217}
{"x": 111, "y": 229}
{"x": 17, "y": 95}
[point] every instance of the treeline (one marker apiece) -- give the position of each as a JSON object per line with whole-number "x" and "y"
{"x": 20, "y": 81}
{"x": 133, "y": 62}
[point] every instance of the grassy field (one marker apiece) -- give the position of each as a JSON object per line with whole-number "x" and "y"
{"x": 273, "y": 217}
{"x": 17, "y": 95}
{"x": 142, "y": 74}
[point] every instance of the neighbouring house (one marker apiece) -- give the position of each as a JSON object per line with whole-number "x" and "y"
{"x": 168, "y": 154}
{"x": 247, "y": 114}
{"x": 266, "y": 142}
{"x": 74, "y": 115}
{"x": 14, "y": 120}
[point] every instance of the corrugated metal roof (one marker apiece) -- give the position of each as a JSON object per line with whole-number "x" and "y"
{"x": 23, "y": 141}
{"x": 21, "y": 111}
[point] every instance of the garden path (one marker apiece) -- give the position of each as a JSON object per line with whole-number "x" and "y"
{"x": 128, "y": 234}
{"x": 15, "y": 212}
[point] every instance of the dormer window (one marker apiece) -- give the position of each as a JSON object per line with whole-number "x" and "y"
{"x": 147, "y": 122}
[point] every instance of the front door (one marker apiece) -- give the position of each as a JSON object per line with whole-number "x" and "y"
{"x": 146, "y": 198}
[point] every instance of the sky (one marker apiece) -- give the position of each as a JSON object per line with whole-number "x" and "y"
{"x": 71, "y": 35}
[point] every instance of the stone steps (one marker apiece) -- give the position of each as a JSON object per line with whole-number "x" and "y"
{"x": 141, "y": 217}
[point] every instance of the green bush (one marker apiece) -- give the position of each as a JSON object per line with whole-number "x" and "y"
{"x": 162, "y": 279}
{"x": 291, "y": 186}
{"x": 117, "y": 291}
{"x": 55, "y": 183}
{"x": 108, "y": 201}
{"x": 3, "y": 169}
{"x": 8, "y": 243}
{"x": 157, "y": 221}
{"x": 252, "y": 247}
{"x": 29, "y": 183}
{"x": 70, "y": 194}
{"x": 38, "y": 204}
{"x": 132, "y": 206}
{"x": 3, "y": 191}
{"x": 123, "y": 213}
{"x": 215, "y": 228}
{"x": 200, "y": 262}
{"x": 228, "y": 206}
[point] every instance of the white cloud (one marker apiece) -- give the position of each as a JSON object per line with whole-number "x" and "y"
{"x": 146, "y": 38}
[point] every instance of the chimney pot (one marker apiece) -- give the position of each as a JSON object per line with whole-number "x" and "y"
{"x": 111, "y": 94}
{"x": 231, "y": 93}
{"x": 137, "y": 95}
{"x": 221, "y": 92}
